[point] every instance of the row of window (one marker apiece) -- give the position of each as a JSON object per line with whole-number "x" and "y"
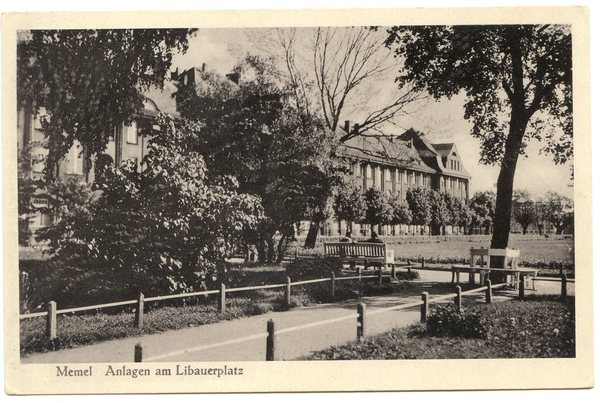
{"x": 411, "y": 178}
{"x": 455, "y": 165}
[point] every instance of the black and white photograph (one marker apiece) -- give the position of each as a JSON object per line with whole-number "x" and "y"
{"x": 206, "y": 201}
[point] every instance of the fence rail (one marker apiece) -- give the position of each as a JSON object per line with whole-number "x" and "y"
{"x": 359, "y": 316}
{"x": 52, "y": 312}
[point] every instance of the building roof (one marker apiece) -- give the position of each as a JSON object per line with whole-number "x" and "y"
{"x": 162, "y": 99}
{"x": 387, "y": 150}
{"x": 409, "y": 150}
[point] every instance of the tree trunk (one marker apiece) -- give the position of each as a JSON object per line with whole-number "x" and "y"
{"x": 311, "y": 237}
{"x": 281, "y": 248}
{"x": 518, "y": 123}
{"x": 260, "y": 250}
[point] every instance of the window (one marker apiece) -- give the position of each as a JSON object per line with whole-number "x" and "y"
{"x": 75, "y": 160}
{"x": 405, "y": 176}
{"x": 413, "y": 177}
{"x": 388, "y": 175}
{"x": 39, "y": 202}
{"x": 131, "y": 133}
{"x": 369, "y": 172}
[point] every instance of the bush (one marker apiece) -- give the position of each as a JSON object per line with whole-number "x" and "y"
{"x": 320, "y": 267}
{"x": 445, "y": 321}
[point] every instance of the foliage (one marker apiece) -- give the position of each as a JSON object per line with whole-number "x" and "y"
{"x": 164, "y": 230}
{"x": 483, "y": 205}
{"x": 252, "y": 132}
{"x": 402, "y": 214}
{"x": 419, "y": 204}
{"x": 524, "y": 210}
{"x": 302, "y": 269}
{"x": 350, "y": 204}
{"x": 537, "y": 327}
{"x": 440, "y": 213}
{"x": 379, "y": 210}
{"x": 558, "y": 210}
{"x": 86, "y": 82}
{"x": 446, "y": 321}
{"x": 518, "y": 84}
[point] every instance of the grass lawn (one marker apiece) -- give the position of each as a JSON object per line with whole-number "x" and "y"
{"x": 537, "y": 327}
{"x": 531, "y": 250}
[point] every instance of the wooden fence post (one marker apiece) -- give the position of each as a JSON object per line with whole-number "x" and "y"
{"x": 137, "y": 356}
{"x": 563, "y": 286}
{"x": 222, "y": 299}
{"x": 424, "y": 307}
{"x": 393, "y": 277}
{"x": 422, "y": 262}
{"x": 380, "y": 278}
{"x": 139, "y": 312}
{"x": 51, "y": 323}
{"x": 408, "y": 264}
{"x": 288, "y": 292}
{"x": 521, "y": 286}
{"x": 458, "y": 299}
{"x": 271, "y": 340}
{"x": 488, "y": 292}
{"x": 332, "y": 284}
{"x": 360, "y": 328}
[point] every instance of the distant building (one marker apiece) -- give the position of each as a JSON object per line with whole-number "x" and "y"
{"x": 396, "y": 164}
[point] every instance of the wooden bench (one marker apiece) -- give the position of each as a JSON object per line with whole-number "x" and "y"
{"x": 361, "y": 253}
{"x": 480, "y": 263}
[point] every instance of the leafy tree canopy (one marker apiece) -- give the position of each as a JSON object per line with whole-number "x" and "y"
{"x": 518, "y": 83}
{"x": 251, "y": 131}
{"x": 89, "y": 81}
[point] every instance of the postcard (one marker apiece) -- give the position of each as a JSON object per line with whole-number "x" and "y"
{"x": 332, "y": 200}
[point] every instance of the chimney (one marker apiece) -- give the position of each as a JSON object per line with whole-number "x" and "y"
{"x": 356, "y": 128}
{"x": 175, "y": 74}
{"x": 347, "y": 126}
{"x": 203, "y": 67}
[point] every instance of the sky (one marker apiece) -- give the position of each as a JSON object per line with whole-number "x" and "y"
{"x": 443, "y": 121}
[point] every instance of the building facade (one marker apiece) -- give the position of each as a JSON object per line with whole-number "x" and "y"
{"x": 396, "y": 164}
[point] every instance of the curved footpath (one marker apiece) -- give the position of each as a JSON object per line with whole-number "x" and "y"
{"x": 245, "y": 339}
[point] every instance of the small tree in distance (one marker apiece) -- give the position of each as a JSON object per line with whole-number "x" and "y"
{"x": 524, "y": 210}
{"x": 350, "y": 205}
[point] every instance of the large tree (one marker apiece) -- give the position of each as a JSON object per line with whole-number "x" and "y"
{"x": 334, "y": 73}
{"x": 251, "y": 131}
{"x": 85, "y": 82}
{"x": 517, "y": 80}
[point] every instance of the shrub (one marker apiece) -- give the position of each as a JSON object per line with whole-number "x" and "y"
{"x": 313, "y": 268}
{"x": 445, "y": 321}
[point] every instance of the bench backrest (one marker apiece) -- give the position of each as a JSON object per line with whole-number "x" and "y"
{"x": 359, "y": 249}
